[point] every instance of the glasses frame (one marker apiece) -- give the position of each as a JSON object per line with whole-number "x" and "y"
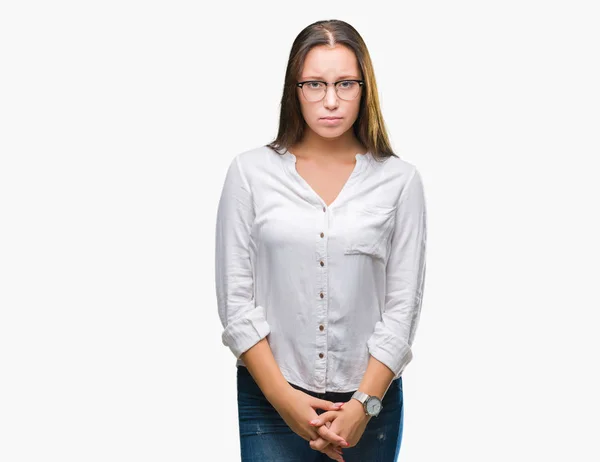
{"x": 360, "y": 83}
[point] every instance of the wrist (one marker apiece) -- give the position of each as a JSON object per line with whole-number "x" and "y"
{"x": 279, "y": 395}
{"x": 357, "y": 408}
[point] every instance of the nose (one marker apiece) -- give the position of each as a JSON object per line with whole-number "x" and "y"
{"x": 331, "y": 98}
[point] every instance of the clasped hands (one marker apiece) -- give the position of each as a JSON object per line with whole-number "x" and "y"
{"x": 341, "y": 426}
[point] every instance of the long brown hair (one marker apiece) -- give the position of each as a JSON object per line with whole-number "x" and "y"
{"x": 369, "y": 127}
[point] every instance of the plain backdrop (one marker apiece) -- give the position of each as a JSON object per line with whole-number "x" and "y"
{"x": 118, "y": 120}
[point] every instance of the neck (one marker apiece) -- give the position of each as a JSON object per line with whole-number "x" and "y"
{"x": 315, "y": 146}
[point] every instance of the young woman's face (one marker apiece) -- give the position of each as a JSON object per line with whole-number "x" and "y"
{"x": 330, "y": 65}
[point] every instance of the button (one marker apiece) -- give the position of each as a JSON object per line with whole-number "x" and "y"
{"x": 322, "y": 235}
{"x": 321, "y": 355}
{"x": 321, "y": 327}
{"x": 322, "y": 295}
{"x": 324, "y": 209}
{"x": 322, "y": 264}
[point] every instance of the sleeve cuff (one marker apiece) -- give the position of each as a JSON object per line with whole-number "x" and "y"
{"x": 243, "y": 333}
{"x": 391, "y": 351}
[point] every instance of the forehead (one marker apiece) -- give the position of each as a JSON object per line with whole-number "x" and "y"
{"x": 323, "y": 61}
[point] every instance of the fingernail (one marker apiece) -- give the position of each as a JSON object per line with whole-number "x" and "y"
{"x": 338, "y": 404}
{"x": 345, "y": 443}
{"x": 314, "y": 422}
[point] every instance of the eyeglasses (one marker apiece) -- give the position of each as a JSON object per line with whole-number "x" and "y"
{"x": 315, "y": 90}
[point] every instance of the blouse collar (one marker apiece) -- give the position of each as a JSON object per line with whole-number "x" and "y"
{"x": 362, "y": 160}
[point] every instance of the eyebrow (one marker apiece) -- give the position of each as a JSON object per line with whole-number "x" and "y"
{"x": 313, "y": 77}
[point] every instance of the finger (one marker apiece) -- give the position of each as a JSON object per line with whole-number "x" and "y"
{"x": 333, "y": 447}
{"x": 322, "y": 445}
{"x": 327, "y": 405}
{"x": 313, "y": 434}
{"x": 324, "y": 418}
{"x": 322, "y": 424}
{"x": 309, "y": 434}
{"x": 331, "y": 436}
{"x": 318, "y": 444}
{"x": 329, "y": 452}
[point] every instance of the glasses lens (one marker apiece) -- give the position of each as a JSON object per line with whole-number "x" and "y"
{"x": 347, "y": 89}
{"x": 314, "y": 91}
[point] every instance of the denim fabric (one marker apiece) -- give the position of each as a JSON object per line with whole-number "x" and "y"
{"x": 265, "y": 437}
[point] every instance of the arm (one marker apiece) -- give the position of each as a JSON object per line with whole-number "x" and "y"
{"x": 391, "y": 341}
{"x": 244, "y": 322}
{"x": 266, "y": 373}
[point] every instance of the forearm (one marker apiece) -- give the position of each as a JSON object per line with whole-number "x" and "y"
{"x": 264, "y": 369}
{"x": 377, "y": 378}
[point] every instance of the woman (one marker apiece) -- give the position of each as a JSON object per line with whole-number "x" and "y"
{"x": 320, "y": 264}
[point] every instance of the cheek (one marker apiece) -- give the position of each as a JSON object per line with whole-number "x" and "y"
{"x": 307, "y": 112}
{"x": 303, "y": 107}
{"x": 310, "y": 116}
{"x": 354, "y": 109}
{"x": 351, "y": 114}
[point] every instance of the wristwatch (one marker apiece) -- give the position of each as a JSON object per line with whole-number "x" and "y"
{"x": 371, "y": 404}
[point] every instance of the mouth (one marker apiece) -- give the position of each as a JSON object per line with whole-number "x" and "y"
{"x": 330, "y": 121}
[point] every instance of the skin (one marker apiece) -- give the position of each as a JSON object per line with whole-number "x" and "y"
{"x": 295, "y": 407}
{"x": 326, "y": 158}
{"x": 326, "y": 154}
{"x": 350, "y": 422}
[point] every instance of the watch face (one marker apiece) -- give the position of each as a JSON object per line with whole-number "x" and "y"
{"x": 373, "y": 406}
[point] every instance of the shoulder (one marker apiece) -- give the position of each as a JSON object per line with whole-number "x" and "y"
{"x": 395, "y": 166}
{"x": 394, "y": 177}
{"x": 396, "y": 171}
{"x": 256, "y": 159}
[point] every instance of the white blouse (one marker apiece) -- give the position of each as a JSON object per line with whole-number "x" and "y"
{"x": 327, "y": 286}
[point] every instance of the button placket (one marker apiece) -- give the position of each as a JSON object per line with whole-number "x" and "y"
{"x": 322, "y": 299}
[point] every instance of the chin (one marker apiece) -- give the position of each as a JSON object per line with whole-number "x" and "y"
{"x": 330, "y": 133}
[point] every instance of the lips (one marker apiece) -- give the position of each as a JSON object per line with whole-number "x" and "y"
{"x": 330, "y": 121}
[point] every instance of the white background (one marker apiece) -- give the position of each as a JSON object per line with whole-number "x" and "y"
{"x": 118, "y": 120}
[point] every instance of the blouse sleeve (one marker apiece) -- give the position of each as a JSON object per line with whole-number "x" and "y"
{"x": 244, "y": 322}
{"x": 392, "y": 338}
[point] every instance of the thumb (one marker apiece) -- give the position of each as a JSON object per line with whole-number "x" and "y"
{"x": 326, "y": 405}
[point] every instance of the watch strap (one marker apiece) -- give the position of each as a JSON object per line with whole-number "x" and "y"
{"x": 359, "y": 395}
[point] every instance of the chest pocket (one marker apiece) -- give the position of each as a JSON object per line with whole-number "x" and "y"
{"x": 367, "y": 229}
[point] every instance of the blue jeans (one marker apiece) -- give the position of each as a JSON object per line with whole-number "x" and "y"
{"x": 265, "y": 437}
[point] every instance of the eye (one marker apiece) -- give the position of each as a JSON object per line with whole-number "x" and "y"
{"x": 313, "y": 85}
{"x": 345, "y": 84}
